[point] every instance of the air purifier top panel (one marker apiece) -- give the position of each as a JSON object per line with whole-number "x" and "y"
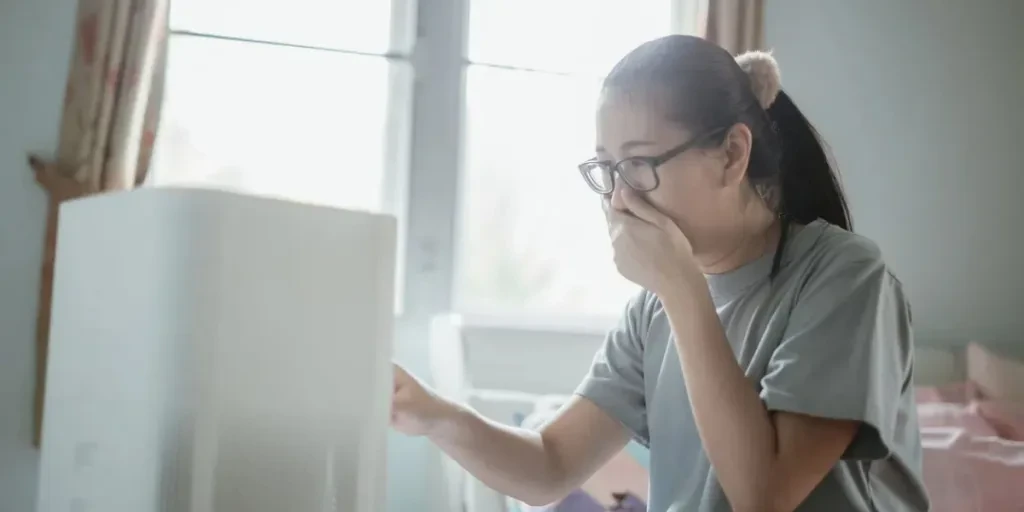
{"x": 212, "y": 351}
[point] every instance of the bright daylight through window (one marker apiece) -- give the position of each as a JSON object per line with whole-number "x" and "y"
{"x": 533, "y": 238}
{"x": 311, "y": 100}
{"x": 286, "y": 99}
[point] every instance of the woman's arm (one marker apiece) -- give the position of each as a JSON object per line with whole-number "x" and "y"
{"x": 764, "y": 461}
{"x": 536, "y": 467}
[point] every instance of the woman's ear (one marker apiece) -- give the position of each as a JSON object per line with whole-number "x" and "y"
{"x": 737, "y": 146}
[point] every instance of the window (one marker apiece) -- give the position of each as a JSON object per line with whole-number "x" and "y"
{"x": 313, "y": 100}
{"x": 289, "y": 99}
{"x": 533, "y": 239}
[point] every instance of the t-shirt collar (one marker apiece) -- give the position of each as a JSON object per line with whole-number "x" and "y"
{"x": 729, "y": 285}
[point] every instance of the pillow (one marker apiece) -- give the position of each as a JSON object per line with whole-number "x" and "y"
{"x": 950, "y": 409}
{"x": 997, "y": 377}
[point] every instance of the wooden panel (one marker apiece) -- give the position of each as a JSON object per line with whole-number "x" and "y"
{"x": 59, "y": 188}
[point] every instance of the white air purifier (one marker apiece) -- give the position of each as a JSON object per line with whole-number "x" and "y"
{"x": 216, "y": 352}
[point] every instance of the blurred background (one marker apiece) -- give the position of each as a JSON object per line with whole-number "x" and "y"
{"x": 466, "y": 119}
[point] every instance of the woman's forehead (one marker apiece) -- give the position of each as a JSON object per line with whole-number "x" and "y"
{"x": 623, "y": 115}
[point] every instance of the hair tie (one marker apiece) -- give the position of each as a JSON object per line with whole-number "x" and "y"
{"x": 765, "y": 77}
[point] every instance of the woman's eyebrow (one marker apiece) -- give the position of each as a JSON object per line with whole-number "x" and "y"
{"x": 629, "y": 145}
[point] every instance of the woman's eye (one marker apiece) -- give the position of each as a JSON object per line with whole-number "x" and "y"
{"x": 631, "y": 165}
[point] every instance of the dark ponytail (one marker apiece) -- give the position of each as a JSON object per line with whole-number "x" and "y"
{"x": 704, "y": 89}
{"x": 809, "y": 184}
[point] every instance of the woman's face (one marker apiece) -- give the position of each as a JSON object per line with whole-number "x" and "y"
{"x": 700, "y": 189}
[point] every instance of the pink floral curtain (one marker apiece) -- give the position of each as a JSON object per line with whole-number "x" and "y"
{"x": 111, "y": 111}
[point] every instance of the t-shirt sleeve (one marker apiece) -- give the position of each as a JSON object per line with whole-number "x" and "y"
{"x": 615, "y": 382}
{"x": 846, "y": 352}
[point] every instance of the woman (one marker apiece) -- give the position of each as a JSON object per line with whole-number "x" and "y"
{"x": 767, "y": 363}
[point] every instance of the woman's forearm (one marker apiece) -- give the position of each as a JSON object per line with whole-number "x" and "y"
{"x": 512, "y": 461}
{"x": 733, "y": 424}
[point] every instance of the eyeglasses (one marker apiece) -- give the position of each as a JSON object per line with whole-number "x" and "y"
{"x": 638, "y": 172}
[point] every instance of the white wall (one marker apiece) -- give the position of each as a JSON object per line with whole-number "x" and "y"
{"x": 34, "y": 51}
{"x": 35, "y": 44}
{"x": 922, "y": 103}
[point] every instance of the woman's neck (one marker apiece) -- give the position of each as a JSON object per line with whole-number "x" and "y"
{"x": 750, "y": 240}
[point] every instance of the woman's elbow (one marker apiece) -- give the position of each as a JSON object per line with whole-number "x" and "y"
{"x": 545, "y": 492}
{"x": 543, "y": 496}
{"x": 546, "y": 488}
{"x": 539, "y": 500}
{"x": 761, "y": 498}
{"x": 760, "y": 506}
{"x": 750, "y": 506}
{"x": 763, "y": 502}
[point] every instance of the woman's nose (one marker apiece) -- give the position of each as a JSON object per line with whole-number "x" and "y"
{"x": 620, "y": 188}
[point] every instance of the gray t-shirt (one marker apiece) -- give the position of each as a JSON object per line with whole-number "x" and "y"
{"x": 829, "y": 336}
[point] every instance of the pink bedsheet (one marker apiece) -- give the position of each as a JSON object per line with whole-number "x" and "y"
{"x": 973, "y": 450}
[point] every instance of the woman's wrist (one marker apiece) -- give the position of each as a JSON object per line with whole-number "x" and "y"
{"x": 448, "y": 420}
{"x": 685, "y": 292}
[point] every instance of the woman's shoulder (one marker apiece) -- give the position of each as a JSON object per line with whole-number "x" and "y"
{"x": 642, "y": 307}
{"x": 824, "y": 243}
{"x": 829, "y": 252}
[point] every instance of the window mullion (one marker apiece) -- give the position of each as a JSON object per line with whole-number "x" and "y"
{"x": 431, "y": 204}
{"x": 436, "y": 155}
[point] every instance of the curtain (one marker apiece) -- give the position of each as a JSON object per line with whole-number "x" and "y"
{"x": 110, "y": 115}
{"x": 736, "y": 25}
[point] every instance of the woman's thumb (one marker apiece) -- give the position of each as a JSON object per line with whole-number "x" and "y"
{"x": 401, "y": 376}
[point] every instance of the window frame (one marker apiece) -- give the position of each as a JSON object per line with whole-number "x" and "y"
{"x": 426, "y": 154}
{"x": 684, "y": 18}
{"x": 401, "y": 55}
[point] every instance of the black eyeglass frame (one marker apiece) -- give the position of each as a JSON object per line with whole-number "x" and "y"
{"x": 651, "y": 161}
